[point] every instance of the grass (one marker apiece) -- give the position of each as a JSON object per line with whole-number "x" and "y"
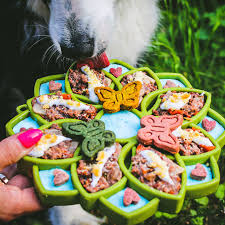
{"x": 191, "y": 41}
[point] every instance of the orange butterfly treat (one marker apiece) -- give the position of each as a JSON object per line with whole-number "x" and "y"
{"x": 113, "y": 101}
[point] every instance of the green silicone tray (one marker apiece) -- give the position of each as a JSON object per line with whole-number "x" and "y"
{"x": 154, "y": 199}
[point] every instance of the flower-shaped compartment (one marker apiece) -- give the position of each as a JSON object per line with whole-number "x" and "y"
{"x": 117, "y": 213}
{"x": 27, "y": 162}
{"x": 218, "y": 132}
{"x": 48, "y": 192}
{"x": 203, "y": 157}
{"x": 41, "y": 86}
{"x": 168, "y": 202}
{"x": 208, "y": 185}
{"x": 195, "y": 118}
{"x": 176, "y": 78}
{"x": 23, "y": 120}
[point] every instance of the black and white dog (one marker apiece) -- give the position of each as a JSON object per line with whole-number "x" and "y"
{"x": 41, "y": 37}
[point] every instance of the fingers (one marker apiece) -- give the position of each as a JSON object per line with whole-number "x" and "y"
{"x": 15, "y": 202}
{"x": 10, "y": 171}
{"x": 13, "y": 148}
{"x": 20, "y": 181}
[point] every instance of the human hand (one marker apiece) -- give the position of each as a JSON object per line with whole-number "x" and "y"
{"x": 17, "y": 197}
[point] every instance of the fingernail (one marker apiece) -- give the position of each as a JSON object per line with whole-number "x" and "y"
{"x": 30, "y": 137}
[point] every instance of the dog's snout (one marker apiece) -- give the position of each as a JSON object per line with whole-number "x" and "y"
{"x": 79, "y": 48}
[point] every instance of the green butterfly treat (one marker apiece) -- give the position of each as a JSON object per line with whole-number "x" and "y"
{"x": 93, "y": 134}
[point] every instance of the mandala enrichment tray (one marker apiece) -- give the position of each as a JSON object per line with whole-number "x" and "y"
{"x": 113, "y": 126}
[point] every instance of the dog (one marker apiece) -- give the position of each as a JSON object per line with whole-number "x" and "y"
{"x": 44, "y": 37}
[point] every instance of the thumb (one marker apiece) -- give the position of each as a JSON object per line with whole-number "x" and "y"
{"x": 13, "y": 148}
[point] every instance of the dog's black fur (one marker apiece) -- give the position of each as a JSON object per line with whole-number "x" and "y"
{"x": 20, "y": 68}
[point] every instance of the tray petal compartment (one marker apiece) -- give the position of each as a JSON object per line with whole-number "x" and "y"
{"x": 41, "y": 86}
{"x": 177, "y": 78}
{"x": 198, "y": 189}
{"x": 26, "y": 163}
{"x": 168, "y": 202}
{"x": 194, "y": 119}
{"x": 189, "y": 160}
{"x": 117, "y": 213}
{"x": 49, "y": 194}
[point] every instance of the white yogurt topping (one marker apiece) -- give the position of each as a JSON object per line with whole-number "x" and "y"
{"x": 102, "y": 158}
{"x": 176, "y": 101}
{"x": 47, "y": 102}
{"x": 192, "y": 135}
{"x": 160, "y": 166}
{"x": 93, "y": 82}
{"x": 47, "y": 141}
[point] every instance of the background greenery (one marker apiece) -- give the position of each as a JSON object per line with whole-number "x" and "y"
{"x": 190, "y": 40}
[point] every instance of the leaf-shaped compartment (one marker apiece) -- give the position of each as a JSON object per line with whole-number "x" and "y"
{"x": 189, "y": 160}
{"x": 163, "y": 93}
{"x": 26, "y": 163}
{"x": 207, "y": 186}
{"x": 49, "y": 194}
{"x": 168, "y": 202}
{"x": 89, "y": 199}
{"x": 107, "y": 80}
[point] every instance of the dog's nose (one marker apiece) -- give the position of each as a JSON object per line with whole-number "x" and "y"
{"x": 78, "y": 49}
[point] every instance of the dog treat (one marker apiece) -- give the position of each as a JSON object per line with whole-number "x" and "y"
{"x": 60, "y": 177}
{"x": 156, "y": 170}
{"x": 187, "y": 104}
{"x": 130, "y": 196}
{"x": 101, "y": 172}
{"x": 126, "y": 99}
{"x": 148, "y": 83}
{"x": 61, "y": 106}
{"x": 93, "y": 135}
{"x": 158, "y": 131}
{"x": 84, "y": 80}
{"x": 116, "y": 72}
{"x": 199, "y": 172}
{"x": 208, "y": 125}
{"x": 53, "y": 145}
{"x": 192, "y": 141}
{"x": 54, "y": 86}
{"x": 98, "y": 62}
{"x": 170, "y": 84}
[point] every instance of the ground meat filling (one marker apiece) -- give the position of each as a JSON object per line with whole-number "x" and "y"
{"x": 111, "y": 172}
{"x": 148, "y": 83}
{"x": 190, "y": 148}
{"x": 194, "y": 105}
{"x": 144, "y": 172}
{"x": 63, "y": 150}
{"x": 57, "y": 112}
{"x": 79, "y": 81}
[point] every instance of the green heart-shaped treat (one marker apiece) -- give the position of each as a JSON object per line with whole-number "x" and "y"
{"x": 92, "y": 133}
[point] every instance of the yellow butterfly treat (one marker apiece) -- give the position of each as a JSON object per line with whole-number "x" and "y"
{"x": 126, "y": 99}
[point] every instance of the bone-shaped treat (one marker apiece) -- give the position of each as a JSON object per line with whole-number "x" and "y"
{"x": 113, "y": 101}
{"x": 158, "y": 131}
{"x": 93, "y": 135}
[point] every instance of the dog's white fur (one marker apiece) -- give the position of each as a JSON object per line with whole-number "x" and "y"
{"x": 125, "y": 25}
{"x": 129, "y": 26}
